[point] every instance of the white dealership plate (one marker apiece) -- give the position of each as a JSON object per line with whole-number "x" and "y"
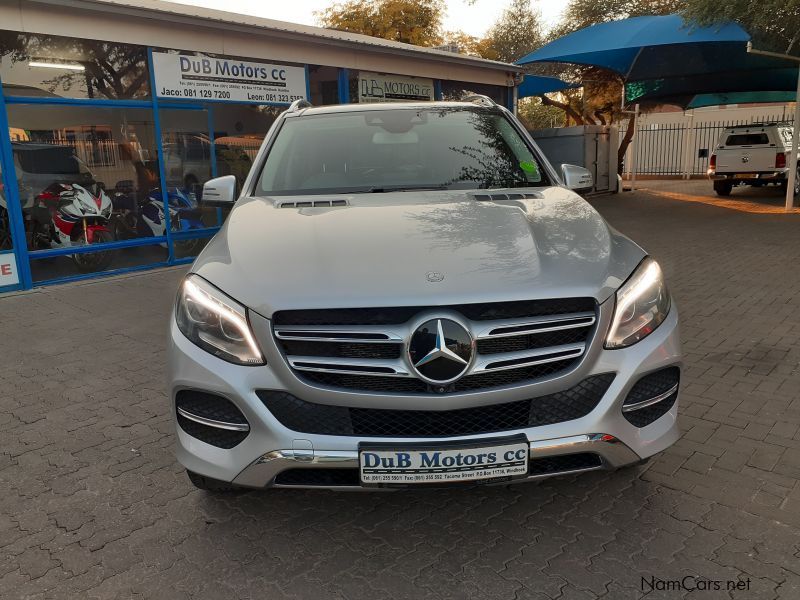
{"x": 445, "y": 463}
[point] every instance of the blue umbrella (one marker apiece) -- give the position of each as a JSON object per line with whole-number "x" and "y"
{"x": 645, "y": 47}
{"x": 536, "y": 85}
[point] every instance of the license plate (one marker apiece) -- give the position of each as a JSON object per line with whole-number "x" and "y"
{"x": 745, "y": 176}
{"x": 446, "y": 463}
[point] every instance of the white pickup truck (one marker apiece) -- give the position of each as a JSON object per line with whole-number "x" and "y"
{"x": 756, "y": 154}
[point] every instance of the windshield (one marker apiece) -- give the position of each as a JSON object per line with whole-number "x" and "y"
{"x": 398, "y": 149}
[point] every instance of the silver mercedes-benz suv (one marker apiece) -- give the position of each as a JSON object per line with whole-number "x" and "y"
{"x": 410, "y": 295}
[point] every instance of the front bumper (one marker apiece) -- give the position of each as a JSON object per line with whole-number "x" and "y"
{"x": 769, "y": 176}
{"x": 270, "y": 448}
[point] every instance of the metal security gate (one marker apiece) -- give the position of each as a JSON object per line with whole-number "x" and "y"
{"x": 683, "y": 148}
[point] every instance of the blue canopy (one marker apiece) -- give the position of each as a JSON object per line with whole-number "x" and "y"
{"x": 536, "y": 85}
{"x": 635, "y": 47}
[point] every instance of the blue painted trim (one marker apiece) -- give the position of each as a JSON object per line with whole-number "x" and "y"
{"x": 190, "y": 234}
{"x": 510, "y": 98}
{"x": 175, "y": 102}
{"x": 213, "y": 154}
{"x": 176, "y": 106}
{"x": 13, "y": 203}
{"x": 120, "y": 271}
{"x": 162, "y": 173}
{"x": 343, "y": 86}
{"x": 119, "y": 245}
{"x": 95, "y": 102}
{"x": 10, "y": 288}
{"x": 308, "y": 85}
{"x": 437, "y": 89}
{"x": 185, "y": 260}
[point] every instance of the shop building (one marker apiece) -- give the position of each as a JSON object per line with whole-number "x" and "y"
{"x": 144, "y": 101}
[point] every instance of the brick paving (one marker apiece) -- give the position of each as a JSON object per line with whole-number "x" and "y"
{"x": 93, "y": 504}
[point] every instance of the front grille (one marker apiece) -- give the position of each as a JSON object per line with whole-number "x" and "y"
{"x": 320, "y": 477}
{"x": 550, "y": 465}
{"x": 649, "y": 387}
{"x": 410, "y": 385}
{"x": 363, "y": 349}
{"x": 531, "y": 342}
{"x": 341, "y": 349}
{"x": 307, "y": 417}
{"x": 487, "y": 311}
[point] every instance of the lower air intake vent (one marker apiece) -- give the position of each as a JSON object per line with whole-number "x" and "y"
{"x": 307, "y": 417}
{"x": 551, "y": 465}
{"x": 211, "y": 419}
{"x": 652, "y": 397}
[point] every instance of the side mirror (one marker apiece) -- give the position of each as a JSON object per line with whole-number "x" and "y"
{"x": 220, "y": 191}
{"x": 577, "y": 178}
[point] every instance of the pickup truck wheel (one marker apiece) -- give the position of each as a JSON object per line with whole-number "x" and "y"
{"x": 723, "y": 187}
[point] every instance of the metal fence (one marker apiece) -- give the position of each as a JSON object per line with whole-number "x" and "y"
{"x": 674, "y": 149}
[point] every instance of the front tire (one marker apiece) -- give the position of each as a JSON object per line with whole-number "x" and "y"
{"x": 201, "y": 482}
{"x": 723, "y": 187}
{"x": 91, "y": 262}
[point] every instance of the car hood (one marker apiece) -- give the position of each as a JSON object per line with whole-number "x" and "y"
{"x": 391, "y": 249}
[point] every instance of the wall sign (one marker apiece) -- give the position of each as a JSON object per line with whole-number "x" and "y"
{"x": 226, "y": 79}
{"x": 8, "y": 270}
{"x": 376, "y": 87}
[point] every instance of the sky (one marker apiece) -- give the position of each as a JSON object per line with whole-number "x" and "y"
{"x": 473, "y": 18}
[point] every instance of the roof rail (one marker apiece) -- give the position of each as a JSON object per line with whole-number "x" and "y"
{"x": 299, "y": 105}
{"x": 480, "y": 99}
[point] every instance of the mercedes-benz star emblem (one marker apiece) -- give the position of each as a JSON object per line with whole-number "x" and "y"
{"x": 440, "y": 350}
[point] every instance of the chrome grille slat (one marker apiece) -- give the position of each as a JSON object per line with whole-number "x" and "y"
{"x": 322, "y": 333}
{"x": 364, "y": 366}
{"x": 533, "y": 326}
{"x": 534, "y": 357}
{"x": 516, "y": 350}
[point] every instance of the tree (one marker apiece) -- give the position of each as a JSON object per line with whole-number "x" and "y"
{"x": 415, "y": 22}
{"x": 516, "y": 33}
{"x": 584, "y": 13}
{"x": 773, "y": 24}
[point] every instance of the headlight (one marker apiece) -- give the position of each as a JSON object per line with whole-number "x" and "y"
{"x": 642, "y": 305}
{"x": 216, "y": 323}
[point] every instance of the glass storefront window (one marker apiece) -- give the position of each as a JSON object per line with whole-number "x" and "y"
{"x": 186, "y": 146}
{"x": 238, "y": 132}
{"x": 6, "y": 242}
{"x": 38, "y": 65}
{"x": 324, "y": 84}
{"x": 85, "y": 175}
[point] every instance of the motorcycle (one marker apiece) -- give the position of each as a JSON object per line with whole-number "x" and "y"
{"x": 147, "y": 219}
{"x": 68, "y": 215}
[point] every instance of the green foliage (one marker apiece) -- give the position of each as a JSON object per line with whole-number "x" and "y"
{"x": 516, "y": 33}
{"x": 536, "y": 115}
{"x": 773, "y": 24}
{"x": 415, "y": 22}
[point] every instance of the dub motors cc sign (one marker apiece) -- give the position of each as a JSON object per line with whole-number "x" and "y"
{"x": 226, "y": 79}
{"x": 376, "y": 87}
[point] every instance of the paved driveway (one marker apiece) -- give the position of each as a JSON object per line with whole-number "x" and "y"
{"x": 92, "y": 504}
